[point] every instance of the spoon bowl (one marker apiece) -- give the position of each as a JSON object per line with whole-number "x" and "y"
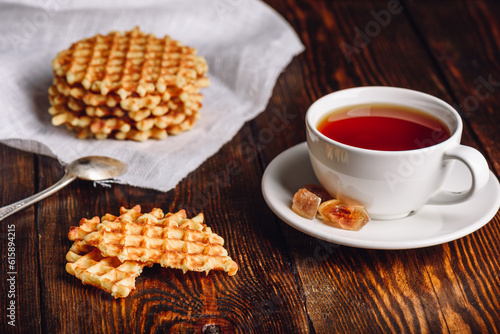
{"x": 96, "y": 168}
{"x": 93, "y": 168}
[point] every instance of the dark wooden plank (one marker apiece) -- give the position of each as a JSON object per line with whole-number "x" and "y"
{"x": 20, "y": 312}
{"x": 465, "y": 43}
{"x": 466, "y": 50}
{"x": 351, "y": 290}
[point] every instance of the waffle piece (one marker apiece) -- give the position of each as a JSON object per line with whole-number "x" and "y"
{"x": 171, "y": 240}
{"x": 107, "y": 273}
{"x": 76, "y": 234}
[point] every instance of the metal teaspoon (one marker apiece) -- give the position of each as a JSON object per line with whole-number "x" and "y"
{"x": 92, "y": 168}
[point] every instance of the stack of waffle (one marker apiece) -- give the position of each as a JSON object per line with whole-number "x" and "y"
{"x": 127, "y": 86}
{"x": 110, "y": 253}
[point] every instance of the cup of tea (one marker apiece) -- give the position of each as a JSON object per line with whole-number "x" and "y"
{"x": 389, "y": 149}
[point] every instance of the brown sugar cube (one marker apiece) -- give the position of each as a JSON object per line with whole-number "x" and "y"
{"x": 305, "y": 203}
{"x": 349, "y": 217}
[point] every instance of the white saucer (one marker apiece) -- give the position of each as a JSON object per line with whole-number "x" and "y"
{"x": 432, "y": 225}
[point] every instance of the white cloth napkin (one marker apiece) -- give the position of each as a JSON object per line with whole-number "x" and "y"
{"x": 246, "y": 44}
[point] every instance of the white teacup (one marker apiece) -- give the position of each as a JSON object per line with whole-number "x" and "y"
{"x": 391, "y": 184}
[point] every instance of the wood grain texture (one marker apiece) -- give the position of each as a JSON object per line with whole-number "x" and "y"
{"x": 414, "y": 291}
{"x": 18, "y": 246}
{"x": 467, "y": 51}
{"x": 288, "y": 282}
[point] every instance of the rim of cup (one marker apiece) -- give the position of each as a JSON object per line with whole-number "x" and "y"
{"x": 454, "y": 133}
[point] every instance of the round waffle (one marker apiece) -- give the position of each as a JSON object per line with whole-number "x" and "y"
{"x": 127, "y": 86}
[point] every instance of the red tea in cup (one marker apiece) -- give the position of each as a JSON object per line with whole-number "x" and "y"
{"x": 383, "y": 127}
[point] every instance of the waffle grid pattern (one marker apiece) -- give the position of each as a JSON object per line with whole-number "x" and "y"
{"x": 127, "y": 86}
{"x": 111, "y": 252}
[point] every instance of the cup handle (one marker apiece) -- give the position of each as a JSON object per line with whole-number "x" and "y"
{"x": 478, "y": 167}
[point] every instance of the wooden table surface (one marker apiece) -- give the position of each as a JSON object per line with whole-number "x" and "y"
{"x": 288, "y": 282}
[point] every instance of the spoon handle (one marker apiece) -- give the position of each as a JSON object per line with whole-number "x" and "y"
{"x": 12, "y": 208}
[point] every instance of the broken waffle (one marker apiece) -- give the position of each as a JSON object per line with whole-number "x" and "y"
{"x": 169, "y": 239}
{"x": 88, "y": 265}
{"x": 127, "y": 82}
